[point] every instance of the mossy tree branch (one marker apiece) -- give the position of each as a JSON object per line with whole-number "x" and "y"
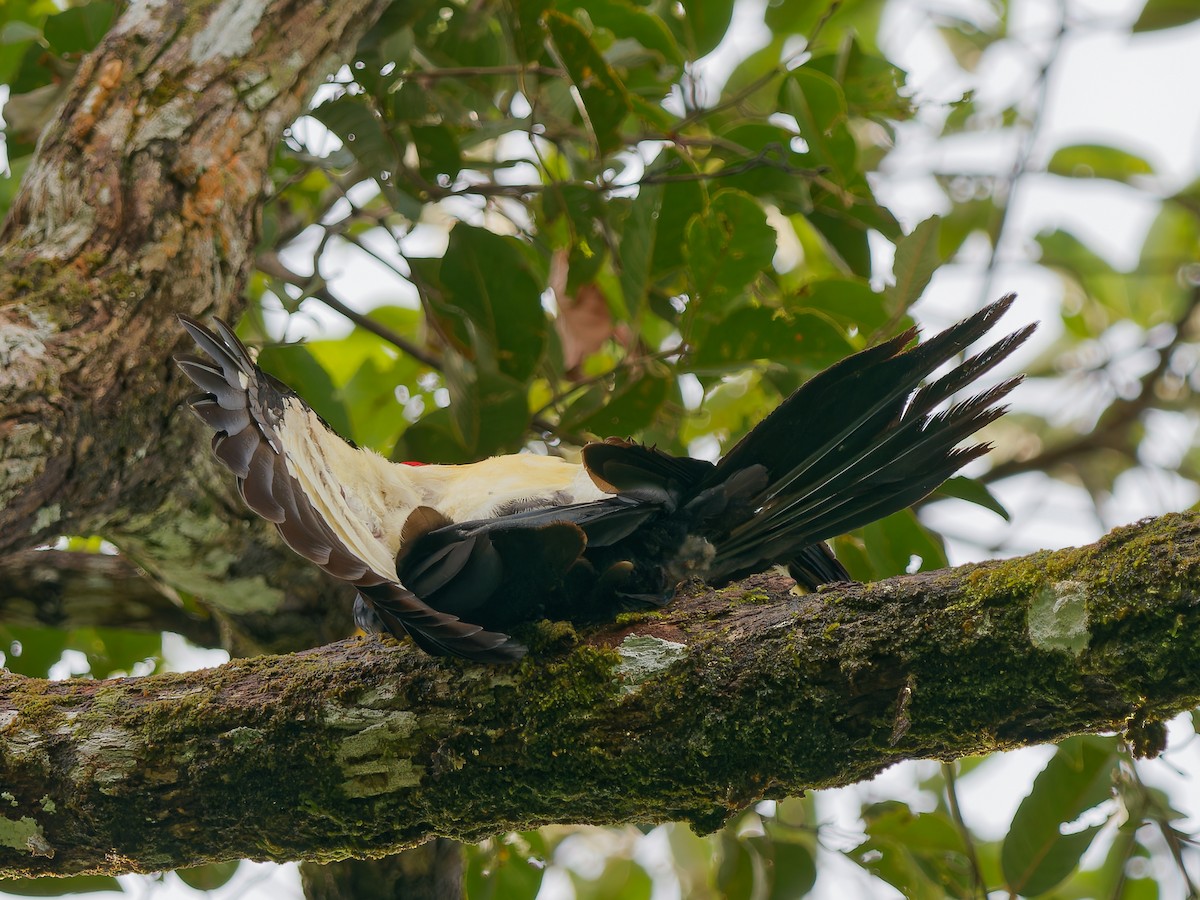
{"x": 362, "y": 747}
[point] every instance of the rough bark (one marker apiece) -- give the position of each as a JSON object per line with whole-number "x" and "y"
{"x": 363, "y": 748}
{"x": 142, "y": 202}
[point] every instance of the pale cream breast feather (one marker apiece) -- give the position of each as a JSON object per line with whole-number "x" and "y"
{"x": 365, "y": 504}
{"x": 488, "y": 488}
{"x": 371, "y": 498}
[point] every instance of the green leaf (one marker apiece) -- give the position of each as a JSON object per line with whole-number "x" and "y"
{"x": 972, "y": 491}
{"x": 1097, "y": 161}
{"x": 625, "y": 20}
{"x": 56, "y": 887}
{"x": 735, "y": 874}
{"x": 630, "y": 406}
{"x": 367, "y": 139}
{"x": 707, "y": 22}
{"x": 848, "y": 301}
{"x": 80, "y": 28}
{"x": 488, "y": 410}
{"x": 639, "y": 238}
{"x": 922, "y": 855}
{"x": 891, "y": 543}
{"x": 756, "y": 332}
{"x": 505, "y": 869}
{"x": 1158, "y": 14}
{"x": 622, "y": 878}
{"x": 772, "y": 177}
{"x": 491, "y": 301}
{"x": 600, "y": 90}
{"x": 917, "y": 258}
{"x": 680, "y": 201}
{"x": 432, "y": 439}
{"x": 728, "y": 246}
{"x": 846, "y": 238}
{"x": 528, "y": 32}
{"x": 297, "y": 367}
{"x": 112, "y": 650}
{"x": 793, "y": 871}
{"x": 870, "y": 83}
{"x": 32, "y": 651}
{"x": 1036, "y": 855}
{"x": 437, "y": 151}
{"x": 819, "y": 107}
{"x": 209, "y": 877}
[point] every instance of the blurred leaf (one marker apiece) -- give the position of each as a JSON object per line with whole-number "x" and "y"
{"x": 625, "y": 20}
{"x": 490, "y": 300}
{"x": 297, "y": 367}
{"x": 488, "y": 410}
{"x": 209, "y": 877}
{"x": 365, "y": 136}
{"x": 437, "y": 150}
{"x": 432, "y": 439}
{"x": 639, "y": 238}
{"x": 846, "y": 238}
{"x": 505, "y": 869}
{"x": 10, "y": 184}
{"x": 972, "y": 491}
{"x": 772, "y": 178}
{"x": 112, "y": 650}
{"x": 600, "y": 90}
{"x": 57, "y": 887}
{"x": 917, "y": 258}
{"x": 756, "y": 332}
{"x": 727, "y": 247}
{"x": 793, "y": 871}
{"x": 1158, "y": 14}
{"x": 816, "y": 100}
{"x": 892, "y": 542}
{"x": 1036, "y": 854}
{"x": 680, "y": 200}
{"x": 621, "y": 878}
{"x": 625, "y": 409}
{"x": 707, "y": 22}
{"x": 80, "y": 28}
{"x": 1097, "y": 161}
{"x": 735, "y": 874}
{"x": 849, "y": 302}
{"x": 920, "y": 854}
{"x": 32, "y": 651}
{"x": 870, "y": 84}
{"x": 528, "y": 32}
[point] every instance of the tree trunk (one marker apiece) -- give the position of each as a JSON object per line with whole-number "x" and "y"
{"x": 142, "y": 202}
{"x": 730, "y": 696}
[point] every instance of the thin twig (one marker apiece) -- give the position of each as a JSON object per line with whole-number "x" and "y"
{"x": 1120, "y": 413}
{"x": 951, "y": 780}
{"x": 315, "y": 287}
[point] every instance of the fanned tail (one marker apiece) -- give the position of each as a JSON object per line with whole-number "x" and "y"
{"x": 861, "y": 440}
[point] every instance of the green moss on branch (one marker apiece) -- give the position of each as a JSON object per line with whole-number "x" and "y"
{"x": 363, "y": 747}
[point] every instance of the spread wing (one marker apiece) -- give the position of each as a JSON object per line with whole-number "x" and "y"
{"x": 322, "y": 493}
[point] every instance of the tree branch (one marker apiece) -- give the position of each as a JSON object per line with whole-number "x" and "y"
{"x": 61, "y": 589}
{"x": 728, "y": 696}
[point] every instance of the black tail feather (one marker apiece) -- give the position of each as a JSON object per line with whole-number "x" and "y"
{"x": 862, "y": 440}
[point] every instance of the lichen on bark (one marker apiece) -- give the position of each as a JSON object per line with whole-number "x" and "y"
{"x": 363, "y": 747}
